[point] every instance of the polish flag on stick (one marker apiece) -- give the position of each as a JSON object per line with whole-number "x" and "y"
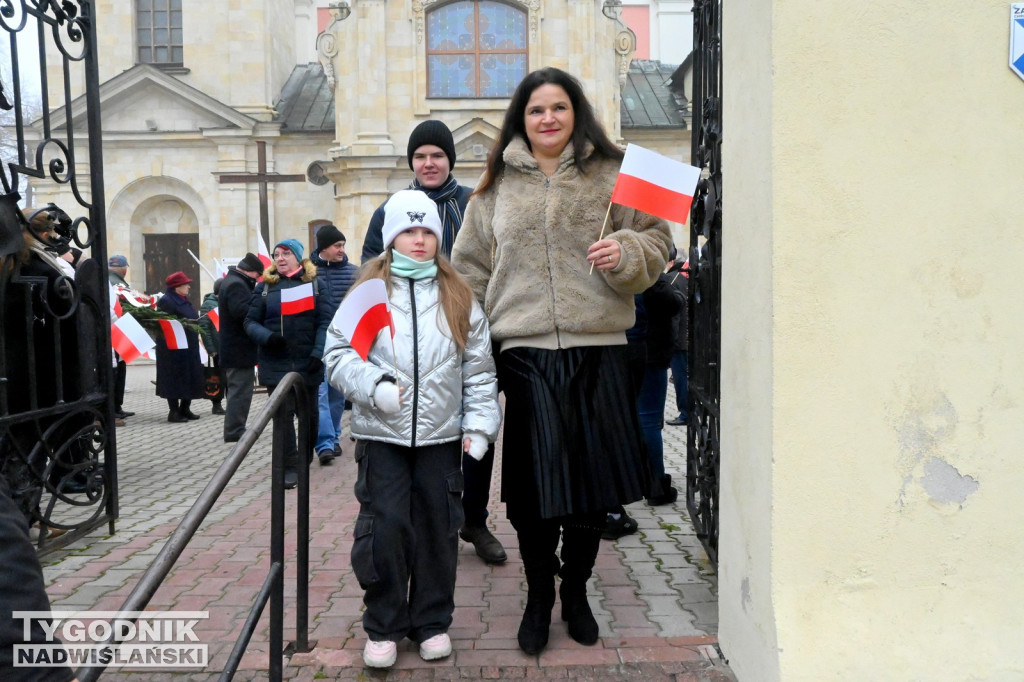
{"x": 263, "y": 252}
{"x": 174, "y": 334}
{"x": 656, "y": 184}
{"x": 214, "y": 316}
{"x": 297, "y": 299}
{"x": 129, "y": 339}
{"x": 363, "y": 313}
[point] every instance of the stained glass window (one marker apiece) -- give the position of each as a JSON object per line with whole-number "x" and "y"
{"x": 475, "y": 48}
{"x": 158, "y": 32}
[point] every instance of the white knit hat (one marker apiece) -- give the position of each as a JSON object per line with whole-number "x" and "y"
{"x": 409, "y": 208}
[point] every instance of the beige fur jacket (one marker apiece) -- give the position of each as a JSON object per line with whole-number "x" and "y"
{"x": 523, "y": 246}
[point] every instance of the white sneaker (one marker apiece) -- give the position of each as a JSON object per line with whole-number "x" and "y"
{"x": 438, "y": 646}
{"x": 380, "y": 654}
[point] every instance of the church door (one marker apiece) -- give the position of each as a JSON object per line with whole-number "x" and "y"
{"x": 167, "y": 253}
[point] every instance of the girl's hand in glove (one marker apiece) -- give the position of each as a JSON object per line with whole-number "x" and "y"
{"x": 475, "y": 445}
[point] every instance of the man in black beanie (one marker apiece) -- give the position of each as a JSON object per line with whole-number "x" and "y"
{"x": 237, "y": 350}
{"x": 337, "y": 275}
{"x": 431, "y": 154}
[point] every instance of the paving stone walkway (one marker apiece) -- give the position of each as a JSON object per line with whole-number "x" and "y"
{"x": 654, "y": 593}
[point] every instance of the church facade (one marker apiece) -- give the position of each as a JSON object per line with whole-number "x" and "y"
{"x": 310, "y": 104}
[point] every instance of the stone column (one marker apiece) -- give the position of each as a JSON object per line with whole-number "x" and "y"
{"x": 872, "y": 327}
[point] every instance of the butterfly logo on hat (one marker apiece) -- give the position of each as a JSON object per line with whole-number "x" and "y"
{"x": 415, "y": 216}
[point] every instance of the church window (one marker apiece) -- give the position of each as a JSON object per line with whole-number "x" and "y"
{"x": 475, "y": 48}
{"x": 158, "y": 31}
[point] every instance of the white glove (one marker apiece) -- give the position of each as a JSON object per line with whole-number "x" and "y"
{"x": 385, "y": 397}
{"x": 477, "y": 445}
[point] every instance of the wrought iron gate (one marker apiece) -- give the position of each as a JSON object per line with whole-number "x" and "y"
{"x": 57, "y": 444}
{"x": 702, "y": 447}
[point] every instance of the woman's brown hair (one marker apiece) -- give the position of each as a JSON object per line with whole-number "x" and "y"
{"x": 585, "y": 129}
{"x": 455, "y": 293}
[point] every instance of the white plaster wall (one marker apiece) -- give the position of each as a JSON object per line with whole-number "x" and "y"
{"x": 893, "y": 327}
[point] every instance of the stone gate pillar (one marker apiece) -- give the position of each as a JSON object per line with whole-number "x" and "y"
{"x": 872, "y": 335}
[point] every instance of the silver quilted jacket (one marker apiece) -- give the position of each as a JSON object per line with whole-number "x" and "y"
{"x": 443, "y": 394}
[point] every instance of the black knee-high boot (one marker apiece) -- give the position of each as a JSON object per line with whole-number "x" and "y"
{"x": 538, "y": 541}
{"x": 581, "y": 540}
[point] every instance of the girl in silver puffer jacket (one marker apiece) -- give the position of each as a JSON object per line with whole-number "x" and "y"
{"x": 418, "y": 403}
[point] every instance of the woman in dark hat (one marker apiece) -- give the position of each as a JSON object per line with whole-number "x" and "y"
{"x": 179, "y": 373}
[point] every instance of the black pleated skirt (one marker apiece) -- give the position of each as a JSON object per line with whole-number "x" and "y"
{"x": 572, "y": 441}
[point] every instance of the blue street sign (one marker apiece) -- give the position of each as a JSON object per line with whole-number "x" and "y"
{"x": 1017, "y": 38}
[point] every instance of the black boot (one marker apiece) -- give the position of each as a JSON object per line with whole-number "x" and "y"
{"x": 581, "y": 541}
{"x": 536, "y": 624}
{"x": 537, "y": 544}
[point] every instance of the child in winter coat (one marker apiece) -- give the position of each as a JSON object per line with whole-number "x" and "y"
{"x": 419, "y": 401}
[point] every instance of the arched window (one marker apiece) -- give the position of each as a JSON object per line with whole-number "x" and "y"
{"x": 475, "y": 48}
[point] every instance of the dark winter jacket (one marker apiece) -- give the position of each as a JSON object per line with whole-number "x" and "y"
{"x": 179, "y": 373}
{"x": 236, "y": 348}
{"x": 304, "y": 332}
{"x": 681, "y": 283}
{"x": 373, "y": 242}
{"x": 656, "y": 310}
{"x": 211, "y": 337}
{"x": 334, "y": 278}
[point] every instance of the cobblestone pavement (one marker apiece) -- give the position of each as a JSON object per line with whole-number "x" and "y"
{"x": 654, "y": 593}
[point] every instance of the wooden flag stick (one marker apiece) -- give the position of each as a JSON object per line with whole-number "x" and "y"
{"x": 601, "y": 236}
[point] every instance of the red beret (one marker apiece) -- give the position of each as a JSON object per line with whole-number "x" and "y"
{"x": 176, "y": 279}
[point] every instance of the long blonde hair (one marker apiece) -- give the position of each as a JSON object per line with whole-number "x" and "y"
{"x": 455, "y": 293}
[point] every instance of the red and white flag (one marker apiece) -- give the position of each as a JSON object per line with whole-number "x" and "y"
{"x": 129, "y": 339}
{"x": 297, "y": 299}
{"x": 214, "y": 316}
{"x": 263, "y": 253}
{"x": 363, "y": 313}
{"x": 656, "y": 184}
{"x": 116, "y": 310}
{"x": 174, "y": 334}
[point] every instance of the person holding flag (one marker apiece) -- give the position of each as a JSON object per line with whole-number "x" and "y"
{"x": 179, "y": 371}
{"x": 533, "y": 229}
{"x": 419, "y": 400}
{"x": 209, "y": 329}
{"x": 288, "y": 318}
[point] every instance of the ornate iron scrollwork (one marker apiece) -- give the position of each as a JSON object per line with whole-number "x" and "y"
{"x": 57, "y": 447}
{"x": 703, "y": 446}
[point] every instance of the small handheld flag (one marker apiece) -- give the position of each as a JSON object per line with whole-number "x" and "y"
{"x": 174, "y": 334}
{"x": 129, "y": 339}
{"x": 297, "y": 299}
{"x": 363, "y": 313}
{"x": 214, "y": 316}
{"x": 655, "y": 184}
{"x": 263, "y": 252}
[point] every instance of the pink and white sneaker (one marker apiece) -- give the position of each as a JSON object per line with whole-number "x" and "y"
{"x": 438, "y": 646}
{"x": 380, "y": 654}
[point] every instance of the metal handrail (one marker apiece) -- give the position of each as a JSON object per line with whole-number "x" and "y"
{"x": 273, "y": 586}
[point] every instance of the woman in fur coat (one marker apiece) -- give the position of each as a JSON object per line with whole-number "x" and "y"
{"x": 288, "y": 319}
{"x": 559, "y": 299}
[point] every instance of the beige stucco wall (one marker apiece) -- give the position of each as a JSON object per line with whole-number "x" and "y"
{"x": 251, "y": 43}
{"x": 872, "y": 328}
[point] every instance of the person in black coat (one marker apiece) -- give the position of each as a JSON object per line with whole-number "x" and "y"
{"x": 291, "y": 338}
{"x": 179, "y": 373}
{"x": 662, "y": 302}
{"x": 679, "y": 270}
{"x": 336, "y": 274}
{"x": 237, "y": 350}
